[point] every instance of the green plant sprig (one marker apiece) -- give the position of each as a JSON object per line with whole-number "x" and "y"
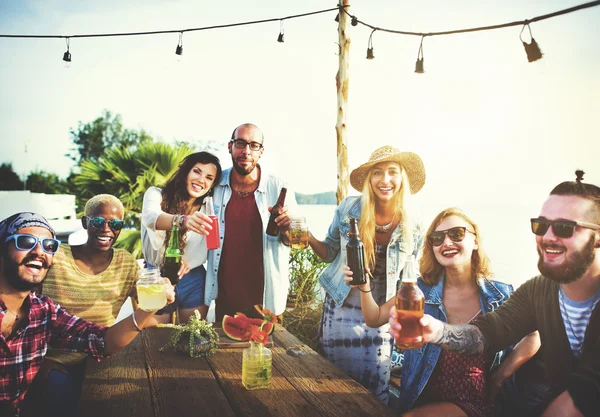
{"x": 198, "y": 329}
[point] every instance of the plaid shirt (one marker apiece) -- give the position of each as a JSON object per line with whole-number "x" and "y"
{"x": 21, "y": 355}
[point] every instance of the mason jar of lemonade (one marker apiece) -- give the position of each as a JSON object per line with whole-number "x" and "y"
{"x": 150, "y": 290}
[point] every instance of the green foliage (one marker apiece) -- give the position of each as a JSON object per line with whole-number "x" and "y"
{"x": 106, "y": 132}
{"x": 305, "y": 269}
{"x": 202, "y": 338}
{"x": 303, "y": 322}
{"x": 9, "y": 180}
{"x": 131, "y": 241}
{"x": 44, "y": 182}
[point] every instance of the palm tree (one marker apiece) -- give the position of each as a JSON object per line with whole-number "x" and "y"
{"x": 127, "y": 174}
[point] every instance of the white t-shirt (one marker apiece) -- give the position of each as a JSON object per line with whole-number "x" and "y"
{"x": 153, "y": 241}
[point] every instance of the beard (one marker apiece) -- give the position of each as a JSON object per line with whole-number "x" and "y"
{"x": 573, "y": 267}
{"x": 11, "y": 274}
{"x": 242, "y": 171}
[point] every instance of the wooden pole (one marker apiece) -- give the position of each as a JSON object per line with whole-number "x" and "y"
{"x": 342, "y": 79}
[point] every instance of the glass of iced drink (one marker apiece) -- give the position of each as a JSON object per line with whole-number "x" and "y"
{"x": 151, "y": 291}
{"x": 298, "y": 233}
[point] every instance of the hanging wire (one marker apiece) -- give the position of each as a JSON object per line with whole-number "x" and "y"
{"x": 481, "y": 28}
{"x": 158, "y": 32}
{"x": 370, "y": 46}
{"x": 67, "y": 54}
{"x": 420, "y": 66}
{"x": 280, "y": 37}
{"x": 179, "y": 49}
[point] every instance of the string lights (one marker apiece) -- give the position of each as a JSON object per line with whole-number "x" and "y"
{"x": 179, "y": 49}
{"x": 67, "y": 54}
{"x": 280, "y": 37}
{"x": 370, "y": 46}
{"x": 532, "y": 49}
{"x": 419, "y": 66}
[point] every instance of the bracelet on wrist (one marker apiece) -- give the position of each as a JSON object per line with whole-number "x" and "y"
{"x": 135, "y": 322}
{"x": 182, "y": 220}
{"x": 175, "y": 220}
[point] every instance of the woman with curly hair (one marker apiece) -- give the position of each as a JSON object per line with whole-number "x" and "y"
{"x": 179, "y": 202}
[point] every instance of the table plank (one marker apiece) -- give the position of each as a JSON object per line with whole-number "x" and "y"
{"x": 117, "y": 386}
{"x": 320, "y": 382}
{"x": 281, "y": 399}
{"x": 180, "y": 385}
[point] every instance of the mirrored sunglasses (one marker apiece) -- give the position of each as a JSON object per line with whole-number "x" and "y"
{"x": 99, "y": 222}
{"x": 561, "y": 228}
{"x": 456, "y": 234}
{"x": 28, "y": 242}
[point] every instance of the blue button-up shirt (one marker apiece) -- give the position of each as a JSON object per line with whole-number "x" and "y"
{"x": 275, "y": 254}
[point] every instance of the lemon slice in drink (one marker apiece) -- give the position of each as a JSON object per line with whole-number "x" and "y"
{"x": 151, "y": 289}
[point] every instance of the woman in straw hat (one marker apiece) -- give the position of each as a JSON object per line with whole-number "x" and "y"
{"x": 390, "y": 234}
{"x": 455, "y": 281}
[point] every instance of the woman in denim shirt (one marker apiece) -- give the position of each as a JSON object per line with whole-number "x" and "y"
{"x": 389, "y": 235}
{"x": 455, "y": 281}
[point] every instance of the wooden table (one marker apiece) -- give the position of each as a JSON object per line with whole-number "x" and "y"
{"x": 142, "y": 381}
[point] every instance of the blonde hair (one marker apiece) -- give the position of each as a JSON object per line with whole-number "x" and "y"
{"x": 367, "y": 223}
{"x": 101, "y": 199}
{"x": 431, "y": 269}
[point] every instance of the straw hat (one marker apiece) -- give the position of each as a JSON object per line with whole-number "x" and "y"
{"x": 410, "y": 162}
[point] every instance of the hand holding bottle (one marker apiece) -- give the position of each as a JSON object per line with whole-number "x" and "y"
{"x": 366, "y": 287}
{"x": 432, "y": 327}
{"x": 199, "y": 222}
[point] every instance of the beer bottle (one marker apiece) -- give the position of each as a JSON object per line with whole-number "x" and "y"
{"x": 272, "y": 228}
{"x": 355, "y": 253}
{"x": 172, "y": 256}
{"x": 213, "y": 238}
{"x": 410, "y": 302}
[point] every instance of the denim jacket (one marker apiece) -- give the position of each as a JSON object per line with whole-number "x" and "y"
{"x": 332, "y": 278}
{"x": 275, "y": 254}
{"x": 419, "y": 363}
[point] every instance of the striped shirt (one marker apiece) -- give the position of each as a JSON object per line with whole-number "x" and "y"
{"x": 576, "y": 316}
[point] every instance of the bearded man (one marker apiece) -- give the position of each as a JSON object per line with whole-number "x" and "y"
{"x": 30, "y": 323}
{"x": 561, "y": 303}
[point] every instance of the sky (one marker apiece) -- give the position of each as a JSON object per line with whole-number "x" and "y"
{"x": 495, "y": 132}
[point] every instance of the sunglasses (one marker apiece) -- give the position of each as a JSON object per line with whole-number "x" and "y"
{"x": 456, "y": 234}
{"x": 561, "y": 228}
{"x": 28, "y": 242}
{"x": 99, "y": 222}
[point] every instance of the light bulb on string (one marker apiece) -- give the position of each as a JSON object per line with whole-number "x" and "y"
{"x": 370, "y": 46}
{"x": 532, "y": 49}
{"x": 420, "y": 65}
{"x": 67, "y": 55}
{"x": 280, "y": 37}
{"x": 179, "y": 49}
{"x": 354, "y": 21}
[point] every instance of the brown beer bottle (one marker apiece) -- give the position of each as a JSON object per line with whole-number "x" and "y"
{"x": 355, "y": 252}
{"x": 410, "y": 303}
{"x": 272, "y": 228}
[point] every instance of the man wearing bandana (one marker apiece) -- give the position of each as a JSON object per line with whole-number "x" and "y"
{"x": 30, "y": 323}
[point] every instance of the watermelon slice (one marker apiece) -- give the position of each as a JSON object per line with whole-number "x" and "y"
{"x": 235, "y": 327}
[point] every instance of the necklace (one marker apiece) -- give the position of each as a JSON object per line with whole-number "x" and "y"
{"x": 12, "y": 312}
{"x": 383, "y": 229}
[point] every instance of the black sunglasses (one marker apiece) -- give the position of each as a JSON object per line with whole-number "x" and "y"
{"x": 561, "y": 228}
{"x": 456, "y": 234}
{"x": 99, "y": 222}
{"x": 241, "y": 144}
{"x": 28, "y": 242}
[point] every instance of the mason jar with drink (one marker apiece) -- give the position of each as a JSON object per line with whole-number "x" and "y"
{"x": 151, "y": 291}
{"x": 298, "y": 233}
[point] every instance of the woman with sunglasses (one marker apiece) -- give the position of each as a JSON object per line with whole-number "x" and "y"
{"x": 455, "y": 281}
{"x": 179, "y": 201}
{"x": 389, "y": 234}
{"x": 92, "y": 281}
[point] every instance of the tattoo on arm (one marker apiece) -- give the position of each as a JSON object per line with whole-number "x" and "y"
{"x": 464, "y": 339}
